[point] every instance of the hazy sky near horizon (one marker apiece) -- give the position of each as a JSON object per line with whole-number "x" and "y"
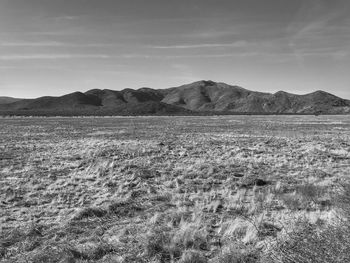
{"x": 53, "y": 47}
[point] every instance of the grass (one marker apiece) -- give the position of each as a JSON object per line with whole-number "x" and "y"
{"x": 210, "y": 189}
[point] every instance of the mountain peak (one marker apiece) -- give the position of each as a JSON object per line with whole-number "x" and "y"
{"x": 208, "y": 82}
{"x": 202, "y": 83}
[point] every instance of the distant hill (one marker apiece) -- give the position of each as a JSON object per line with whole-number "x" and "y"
{"x": 202, "y": 97}
{"x": 95, "y": 102}
{"x": 7, "y": 100}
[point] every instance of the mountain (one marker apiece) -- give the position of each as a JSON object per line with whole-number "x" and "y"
{"x": 201, "y": 97}
{"x": 220, "y": 97}
{"x": 96, "y": 102}
{"x": 7, "y": 100}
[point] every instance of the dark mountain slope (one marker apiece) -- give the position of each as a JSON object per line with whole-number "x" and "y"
{"x": 205, "y": 95}
{"x": 73, "y": 101}
{"x": 113, "y": 98}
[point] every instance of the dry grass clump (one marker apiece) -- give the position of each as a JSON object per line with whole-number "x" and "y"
{"x": 23, "y": 239}
{"x": 311, "y": 243}
{"x": 53, "y": 254}
{"x": 342, "y": 200}
{"x": 124, "y": 208}
{"x": 193, "y": 256}
{"x": 93, "y": 250}
{"x": 191, "y": 236}
{"x": 157, "y": 243}
{"x": 89, "y": 212}
{"x": 237, "y": 253}
{"x": 305, "y": 196}
{"x": 169, "y": 241}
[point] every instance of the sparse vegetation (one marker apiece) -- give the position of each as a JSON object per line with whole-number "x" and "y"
{"x": 235, "y": 189}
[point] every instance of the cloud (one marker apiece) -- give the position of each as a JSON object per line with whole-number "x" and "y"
{"x": 213, "y": 45}
{"x": 15, "y": 57}
{"x": 31, "y": 44}
{"x": 55, "y": 44}
{"x": 66, "y": 17}
{"x": 52, "y": 57}
{"x": 320, "y": 29}
{"x": 223, "y": 55}
{"x": 185, "y": 72}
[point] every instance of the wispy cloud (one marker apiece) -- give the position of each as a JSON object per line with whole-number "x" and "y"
{"x": 55, "y": 44}
{"x": 53, "y": 57}
{"x": 66, "y": 17}
{"x": 262, "y": 54}
{"x": 222, "y": 55}
{"x": 31, "y": 44}
{"x": 185, "y": 72}
{"x": 213, "y": 45}
{"x": 8, "y": 67}
{"x": 320, "y": 29}
{"x": 15, "y": 57}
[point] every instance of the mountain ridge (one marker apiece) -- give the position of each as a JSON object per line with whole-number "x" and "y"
{"x": 200, "y": 97}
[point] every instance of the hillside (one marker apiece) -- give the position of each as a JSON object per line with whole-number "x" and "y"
{"x": 205, "y": 97}
{"x": 7, "y": 100}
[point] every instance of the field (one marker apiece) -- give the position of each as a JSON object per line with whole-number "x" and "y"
{"x": 175, "y": 189}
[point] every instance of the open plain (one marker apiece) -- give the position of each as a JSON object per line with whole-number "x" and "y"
{"x": 175, "y": 189}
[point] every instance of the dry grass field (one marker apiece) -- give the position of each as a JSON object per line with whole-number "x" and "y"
{"x": 230, "y": 189}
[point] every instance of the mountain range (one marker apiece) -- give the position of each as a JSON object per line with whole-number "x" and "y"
{"x": 201, "y": 97}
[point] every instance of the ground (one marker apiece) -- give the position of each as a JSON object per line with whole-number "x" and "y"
{"x": 165, "y": 189}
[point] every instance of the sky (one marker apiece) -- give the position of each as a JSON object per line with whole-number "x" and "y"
{"x": 54, "y": 47}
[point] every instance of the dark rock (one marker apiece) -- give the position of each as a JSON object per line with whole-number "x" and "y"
{"x": 260, "y": 182}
